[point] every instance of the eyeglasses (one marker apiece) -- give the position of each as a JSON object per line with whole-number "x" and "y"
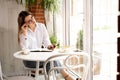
{"x": 31, "y": 20}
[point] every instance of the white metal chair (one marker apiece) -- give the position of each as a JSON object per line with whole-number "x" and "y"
{"x": 14, "y": 77}
{"x": 77, "y": 64}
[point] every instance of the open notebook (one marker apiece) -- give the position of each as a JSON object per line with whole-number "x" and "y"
{"x": 40, "y": 50}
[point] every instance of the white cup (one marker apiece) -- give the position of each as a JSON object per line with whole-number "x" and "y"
{"x": 26, "y": 51}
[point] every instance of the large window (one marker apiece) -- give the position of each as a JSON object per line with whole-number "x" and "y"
{"x": 73, "y": 22}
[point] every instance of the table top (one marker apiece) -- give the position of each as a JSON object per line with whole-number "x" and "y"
{"x": 39, "y": 56}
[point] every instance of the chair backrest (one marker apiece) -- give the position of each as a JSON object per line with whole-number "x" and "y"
{"x": 72, "y": 62}
{"x": 1, "y": 78}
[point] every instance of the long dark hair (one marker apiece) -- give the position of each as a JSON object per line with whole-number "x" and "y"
{"x": 21, "y": 21}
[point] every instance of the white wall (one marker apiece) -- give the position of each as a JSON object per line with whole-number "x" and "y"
{"x": 9, "y": 11}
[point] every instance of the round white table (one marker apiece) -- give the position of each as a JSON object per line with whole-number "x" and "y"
{"x": 34, "y": 56}
{"x": 38, "y": 56}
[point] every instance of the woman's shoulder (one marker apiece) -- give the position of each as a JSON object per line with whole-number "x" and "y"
{"x": 40, "y": 25}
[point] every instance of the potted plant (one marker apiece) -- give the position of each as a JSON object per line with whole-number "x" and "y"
{"x": 50, "y": 5}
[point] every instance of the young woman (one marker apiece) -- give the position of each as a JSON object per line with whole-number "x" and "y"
{"x": 32, "y": 35}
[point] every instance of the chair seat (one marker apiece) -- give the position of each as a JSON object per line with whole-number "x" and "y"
{"x": 20, "y": 78}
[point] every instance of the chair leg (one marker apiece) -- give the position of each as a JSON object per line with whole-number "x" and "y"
{"x": 29, "y": 73}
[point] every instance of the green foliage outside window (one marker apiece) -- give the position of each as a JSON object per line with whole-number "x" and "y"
{"x": 79, "y": 44}
{"x": 54, "y": 41}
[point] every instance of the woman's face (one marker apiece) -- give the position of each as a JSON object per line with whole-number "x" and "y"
{"x": 30, "y": 21}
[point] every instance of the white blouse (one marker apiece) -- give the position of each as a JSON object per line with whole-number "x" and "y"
{"x": 34, "y": 40}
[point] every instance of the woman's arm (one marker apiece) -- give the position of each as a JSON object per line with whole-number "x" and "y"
{"x": 23, "y": 41}
{"x": 46, "y": 39}
{"x": 23, "y": 37}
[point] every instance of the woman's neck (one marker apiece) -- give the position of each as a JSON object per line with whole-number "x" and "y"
{"x": 32, "y": 28}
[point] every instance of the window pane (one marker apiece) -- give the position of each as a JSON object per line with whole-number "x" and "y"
{"x": 76, "y": 24}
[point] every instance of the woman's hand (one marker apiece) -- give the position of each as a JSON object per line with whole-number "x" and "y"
{"x": 24, "y": 29}
{"x": 51, "y": 47}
